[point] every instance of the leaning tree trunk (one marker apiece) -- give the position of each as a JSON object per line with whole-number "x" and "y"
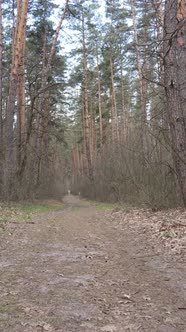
{"x": 42, "y": 119}
{"x": 42, "y": 110}
{"x": 175, "y": 85}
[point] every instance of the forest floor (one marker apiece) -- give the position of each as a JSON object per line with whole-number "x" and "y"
{"x": 87, "y": 268}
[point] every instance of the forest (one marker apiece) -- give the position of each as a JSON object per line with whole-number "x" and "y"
{"x": 93, "y": 99}
{"x": 92, "y": 165}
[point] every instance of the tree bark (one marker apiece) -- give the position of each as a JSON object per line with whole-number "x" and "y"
{"x": 1, "y": 74}
{"x": 85, "y": 104}
{"x": 1, "y": 104}
{"x": 124, "y": 115}
{"x": 21, "y": 101}
{"x": 115, "y": 125}
{"x": 17, "y": 52}
{"x": 99, "y": 99}
{"x": 142, "y": 73}
{"x": 175, "y": 85}
{"x": 159, "y": 16}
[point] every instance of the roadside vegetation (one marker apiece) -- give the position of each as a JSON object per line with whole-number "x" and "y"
{"x": 13, "y": 212}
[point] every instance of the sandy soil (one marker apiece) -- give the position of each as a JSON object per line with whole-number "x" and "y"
{"x": 79, "y": 269}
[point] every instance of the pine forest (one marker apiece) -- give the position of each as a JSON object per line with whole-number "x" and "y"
{"x": 93, "y": 100}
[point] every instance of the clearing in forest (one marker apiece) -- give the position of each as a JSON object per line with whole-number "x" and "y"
{"x": 85, "y": 268}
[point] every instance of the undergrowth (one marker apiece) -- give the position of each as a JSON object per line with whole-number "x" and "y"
{"x": 25, "y": 210}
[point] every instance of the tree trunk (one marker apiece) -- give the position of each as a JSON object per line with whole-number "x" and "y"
{"x": 17, "y": 52}
{"x": 42, "y": 118}
{"x": 85, "y": 104}
{"x": 41, "y": 111}
{"x": 124, "y": 114}
{"x": 142, "y": 72}
{"x": 159, "y": 16}
{"x": 175, "y": 85}
{"x": 21, "y": 104}
{"x": 99, "y": 99}
{"x": 1, "y": 74}
{"x": 115, "y": 125}
{"x": 93, "y": 129}
{"x": 1, "y": 108}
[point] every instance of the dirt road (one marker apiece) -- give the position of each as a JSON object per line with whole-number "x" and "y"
{"x": 75, "y": 270}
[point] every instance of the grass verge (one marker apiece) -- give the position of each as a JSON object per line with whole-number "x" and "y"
{"x": 25, "y": 210}
{"x": 106, "y": 206}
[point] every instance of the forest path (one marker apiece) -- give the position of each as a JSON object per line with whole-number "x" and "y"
{"x": 74, "y": 270}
